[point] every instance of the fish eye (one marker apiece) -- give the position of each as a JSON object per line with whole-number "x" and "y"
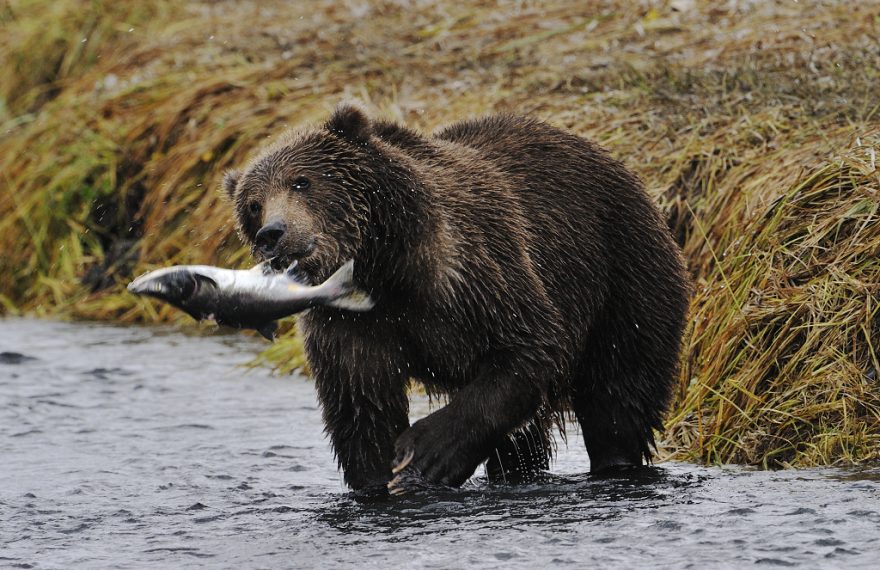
{"x": 254, "y": 208}
{"x": 301, "y": 183}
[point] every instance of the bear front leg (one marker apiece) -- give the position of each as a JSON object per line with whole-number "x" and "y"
{"x": 447, "y": 446}
{"x": 365, "y": 408}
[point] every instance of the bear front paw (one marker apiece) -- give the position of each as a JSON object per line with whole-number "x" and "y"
{"x": 428, "y": 455}
{"x": 406, "y": 479}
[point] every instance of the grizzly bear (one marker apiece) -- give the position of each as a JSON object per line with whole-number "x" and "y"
{"x": 517, "y": 270}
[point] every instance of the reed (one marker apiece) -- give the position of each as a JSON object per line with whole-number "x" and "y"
{"x": 754, "y": 127}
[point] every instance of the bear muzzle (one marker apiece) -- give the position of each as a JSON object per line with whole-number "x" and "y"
{"x": 268, "y": 236}
{"x": 277, "y": 243}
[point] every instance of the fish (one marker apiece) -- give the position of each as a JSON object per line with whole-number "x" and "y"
{"x": 249, "y": 298}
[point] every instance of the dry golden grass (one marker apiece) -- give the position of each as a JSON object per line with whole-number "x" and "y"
{"x": 754, "y": 124}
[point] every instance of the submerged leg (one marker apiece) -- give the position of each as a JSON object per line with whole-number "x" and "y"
{"x": 521, "y": 456}
{"x": 614, "y": 437}
{"x": 622, "y": 389}
{"x": 365, "y": 410}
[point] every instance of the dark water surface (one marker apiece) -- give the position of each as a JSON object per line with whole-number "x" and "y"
{"x": 145, "y": 447}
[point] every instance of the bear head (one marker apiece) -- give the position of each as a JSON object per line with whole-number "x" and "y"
{"x": 310, "y": 196}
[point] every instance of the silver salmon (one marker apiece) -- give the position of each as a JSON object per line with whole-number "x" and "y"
{"x": 248, "y": 299}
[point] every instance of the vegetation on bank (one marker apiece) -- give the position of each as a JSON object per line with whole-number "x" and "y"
{"x": 754, "y": 125}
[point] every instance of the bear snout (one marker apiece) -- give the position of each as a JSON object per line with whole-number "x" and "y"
{"x": 268, "y": 236}
{"x": 276, "y": 239}
{"x": 278, "y": 243}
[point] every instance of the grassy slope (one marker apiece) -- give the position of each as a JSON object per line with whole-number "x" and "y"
{"x": 756, "y": 129}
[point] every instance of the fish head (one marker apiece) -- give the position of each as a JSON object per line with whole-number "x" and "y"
{"x": 178, "y": 286}
{"x": 309, "y": 196}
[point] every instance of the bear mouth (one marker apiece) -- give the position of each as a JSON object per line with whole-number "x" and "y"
{"x": 283, "y": 260}
{"x": 279, "y": 264}
{"x": 295, "y": 268}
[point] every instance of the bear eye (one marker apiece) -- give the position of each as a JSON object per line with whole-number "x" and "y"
{"x": 301, "y": 183}
{"x": 254, "y": 208}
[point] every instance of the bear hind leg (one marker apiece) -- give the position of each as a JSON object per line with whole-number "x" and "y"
{"x": 623, "y": 382}
{"x": 613, "y": 436}
{"x": 522, "y": 456}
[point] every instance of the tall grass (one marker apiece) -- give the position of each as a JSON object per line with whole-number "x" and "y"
{"x": 781, "y": 363}
{"x": 755, "y": 128}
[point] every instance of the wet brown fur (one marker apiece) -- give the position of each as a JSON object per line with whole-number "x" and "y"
{"x": 516, "y": 267}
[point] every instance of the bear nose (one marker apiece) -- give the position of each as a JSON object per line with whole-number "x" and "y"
{"x": 269, "y": 235}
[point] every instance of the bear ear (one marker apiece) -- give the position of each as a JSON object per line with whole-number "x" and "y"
{"x": 350, "y": 123}
{"x": 230, "y": 181}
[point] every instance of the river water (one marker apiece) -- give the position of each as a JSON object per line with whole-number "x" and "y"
{"x": 147, "y": 447}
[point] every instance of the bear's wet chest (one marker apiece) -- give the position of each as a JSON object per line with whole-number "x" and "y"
{"x": 432, "y": 347}
{"x": 442, "y": 353}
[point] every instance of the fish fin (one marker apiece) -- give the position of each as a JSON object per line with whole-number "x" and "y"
{"x": 263, "y": 268}
{"x": 291, "y": 269}
{"x": 268, "y": 331}
{"x": 294, "y": 274}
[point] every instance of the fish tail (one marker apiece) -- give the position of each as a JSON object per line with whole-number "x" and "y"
{"x": 355, "y": 300}
{"x": 343, "y": 293}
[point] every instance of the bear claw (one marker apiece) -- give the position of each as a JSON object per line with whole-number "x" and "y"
{"x": 403, "y": 462}
{"x": 407, "y": 481}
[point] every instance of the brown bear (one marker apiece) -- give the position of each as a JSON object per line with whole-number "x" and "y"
{"x": 517, "y": 269}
